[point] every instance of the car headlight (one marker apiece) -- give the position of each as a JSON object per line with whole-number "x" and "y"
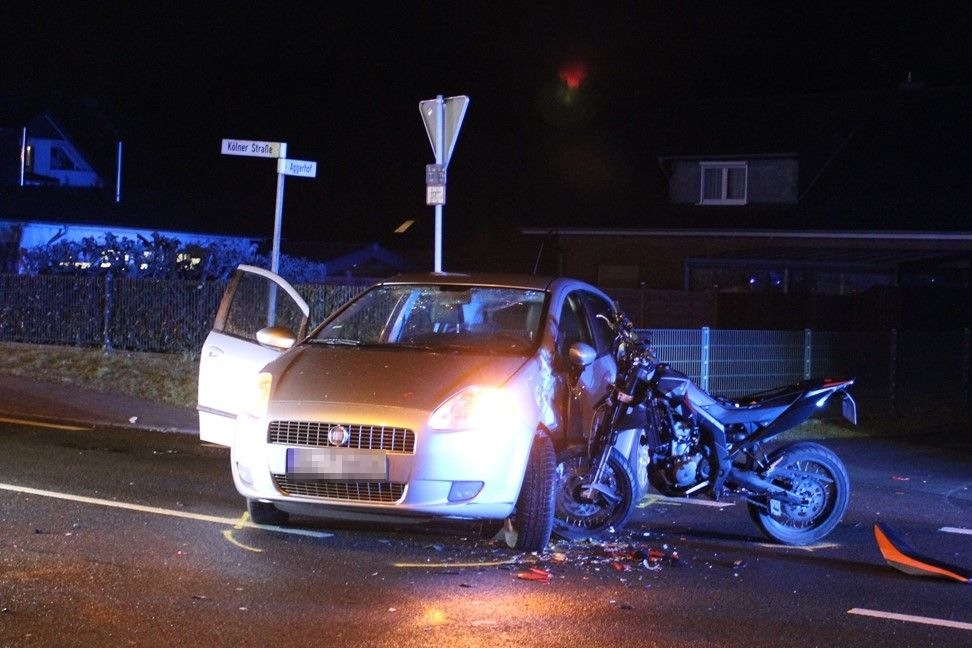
{"x": 475, "y": 407}
{"x": 259, "y": 396}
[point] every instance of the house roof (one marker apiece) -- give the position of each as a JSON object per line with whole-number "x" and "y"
{"x": 959, "y": 240}
{"x": 897, "y": 158}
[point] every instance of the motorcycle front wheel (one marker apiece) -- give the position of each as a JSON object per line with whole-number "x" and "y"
{"x": 578, "y": 516}
{"x": 817, "y": 476}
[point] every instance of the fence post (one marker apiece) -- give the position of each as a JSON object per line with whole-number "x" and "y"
{"x": 807, "y": 354}
{"x": 893, "y": 377}
{"x": 106, "y": 315}
{"x": 704, "y": 378}
{"x": 965, "y": 365}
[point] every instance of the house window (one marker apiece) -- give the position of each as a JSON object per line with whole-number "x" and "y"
{"x": 723, "y": 183}
{"x": 61, "y": 161}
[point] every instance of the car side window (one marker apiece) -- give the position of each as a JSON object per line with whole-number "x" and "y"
{"x": 603, "y": 335}
{"x": 258, "y": 302}
{"x": 573, "y": 325}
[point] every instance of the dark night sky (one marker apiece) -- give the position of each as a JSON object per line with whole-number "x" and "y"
{"x": 341, "y": 84}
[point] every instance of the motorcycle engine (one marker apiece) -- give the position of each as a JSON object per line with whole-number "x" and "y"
{"x": 680, "y": 461}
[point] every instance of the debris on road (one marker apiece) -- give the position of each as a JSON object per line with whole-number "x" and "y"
{"x": 535, "y": 574}
{"x": 902, "y": 556}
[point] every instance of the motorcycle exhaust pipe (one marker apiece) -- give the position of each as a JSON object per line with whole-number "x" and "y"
{"x": 753, "y": 482}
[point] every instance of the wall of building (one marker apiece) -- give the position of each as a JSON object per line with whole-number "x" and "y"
{"x": 769, "y": 181}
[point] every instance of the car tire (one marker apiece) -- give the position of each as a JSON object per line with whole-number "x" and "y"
{"x": 265, "y": 513}
{"x": 532, "y": 521}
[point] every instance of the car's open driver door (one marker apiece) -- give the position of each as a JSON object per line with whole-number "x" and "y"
{"x": 254, "y": 299}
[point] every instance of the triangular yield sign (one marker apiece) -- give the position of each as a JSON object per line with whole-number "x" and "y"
{"x": 453, "y": 112}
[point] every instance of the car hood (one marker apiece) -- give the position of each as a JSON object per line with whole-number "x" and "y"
{"x": 398, "y": 378}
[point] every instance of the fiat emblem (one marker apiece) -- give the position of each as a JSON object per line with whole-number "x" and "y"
{"x": 338, "y": 435}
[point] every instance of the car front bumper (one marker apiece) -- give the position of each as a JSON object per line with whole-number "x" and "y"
{"x": 474, "y": 474}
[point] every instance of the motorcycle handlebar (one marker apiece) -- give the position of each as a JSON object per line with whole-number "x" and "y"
{"x": 624, "y": 335}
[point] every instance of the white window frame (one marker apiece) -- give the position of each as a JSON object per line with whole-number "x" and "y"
{"x": 723, "y": 198}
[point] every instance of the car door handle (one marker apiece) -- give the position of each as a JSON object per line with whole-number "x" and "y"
{"x": 214, "y": 352}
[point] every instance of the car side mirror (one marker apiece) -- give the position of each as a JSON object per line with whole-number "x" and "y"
{"x": 277, "y": 337}
{"x": 581, "y": 354}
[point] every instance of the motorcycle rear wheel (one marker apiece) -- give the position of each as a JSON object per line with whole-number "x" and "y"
{"x": 577, "y": 517}
{"x": 814, "y": 473}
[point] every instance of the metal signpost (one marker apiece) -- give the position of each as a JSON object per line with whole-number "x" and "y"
{"x": 442, "y": 119}
{"x": 285, "y": 167}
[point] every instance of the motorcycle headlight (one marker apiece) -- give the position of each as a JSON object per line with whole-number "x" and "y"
{"x": 475, "y": 408}
{"x": 259, "y": 397}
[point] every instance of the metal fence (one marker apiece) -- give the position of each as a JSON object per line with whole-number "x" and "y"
{"x": 894, "y": 370}
{"x": 161, "y": 316}
{"x": 900, "y": 371}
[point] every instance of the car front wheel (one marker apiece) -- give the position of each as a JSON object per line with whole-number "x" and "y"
{"x": 532, "y": 521}
{"x": 265, "y": 513}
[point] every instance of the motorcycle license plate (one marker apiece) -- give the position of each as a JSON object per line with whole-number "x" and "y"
{"x": 341, "y": 464}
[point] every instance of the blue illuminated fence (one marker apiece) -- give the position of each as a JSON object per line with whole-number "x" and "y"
{"x": 894, "y": 370}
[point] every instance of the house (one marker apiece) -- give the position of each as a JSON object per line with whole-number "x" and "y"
{"x": 815, "y": 195}
{"x": 76, "y": 146}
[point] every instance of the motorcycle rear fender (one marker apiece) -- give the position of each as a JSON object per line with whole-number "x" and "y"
{"x": 805, "y": 406}
{"x": 849, "y": 408}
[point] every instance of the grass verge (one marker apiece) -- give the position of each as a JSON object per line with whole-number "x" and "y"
{"x": 164, "y": 377}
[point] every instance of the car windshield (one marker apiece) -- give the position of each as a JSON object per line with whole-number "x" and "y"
{"x": 447, "y": 317}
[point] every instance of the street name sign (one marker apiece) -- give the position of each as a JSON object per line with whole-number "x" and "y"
{"x": 254, "y": 149}
{"x": 302, "y": 168}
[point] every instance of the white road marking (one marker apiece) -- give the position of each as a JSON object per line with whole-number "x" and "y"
{"x": 956, "y": 530}
{"x": 200, "y": 517}
{"x": 960, "y": 625}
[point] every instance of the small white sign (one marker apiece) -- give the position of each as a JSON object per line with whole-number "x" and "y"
{"x": 253, "y": 149}
{"x": 435, "y": 194}
{"x": 303, "y": 168}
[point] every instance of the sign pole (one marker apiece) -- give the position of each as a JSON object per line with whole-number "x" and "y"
{"x": 278, "y": 216}
{"x": 442, "y": 119}
{"x": 439, "y": 137}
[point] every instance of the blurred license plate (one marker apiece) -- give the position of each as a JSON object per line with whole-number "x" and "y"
{"x": 337, "y": 464}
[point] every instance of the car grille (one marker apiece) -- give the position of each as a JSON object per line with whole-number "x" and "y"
{"x": 374, "y": 491}
{"x": 363, "y": 437}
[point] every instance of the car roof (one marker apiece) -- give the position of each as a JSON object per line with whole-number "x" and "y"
{"x": 505, "y": 280}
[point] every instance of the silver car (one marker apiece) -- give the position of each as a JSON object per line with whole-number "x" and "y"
{"x": 432, "y": 395}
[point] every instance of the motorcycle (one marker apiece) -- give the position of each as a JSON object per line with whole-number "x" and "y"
{"x": 655, "y": 427}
